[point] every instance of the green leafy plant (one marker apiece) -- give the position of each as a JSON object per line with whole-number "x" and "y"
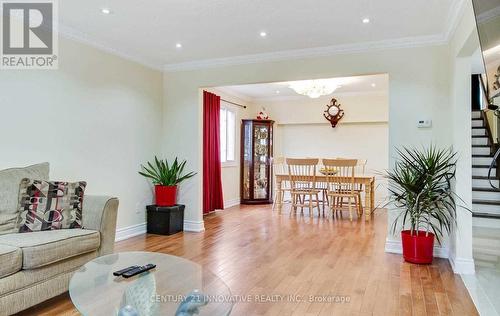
{"x": 164, "y": 174}
{"x": 420, "y": 185}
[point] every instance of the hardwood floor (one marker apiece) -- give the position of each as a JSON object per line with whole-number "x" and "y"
{"x": 258, "y": 252}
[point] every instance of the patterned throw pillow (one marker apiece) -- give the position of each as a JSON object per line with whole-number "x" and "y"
{"x": 49, "y": 205}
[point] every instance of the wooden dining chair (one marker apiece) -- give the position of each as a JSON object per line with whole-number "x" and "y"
{"x": 280, "y": 167}
{"x": 302, "y": 175}
{"x": 341, "y": 185}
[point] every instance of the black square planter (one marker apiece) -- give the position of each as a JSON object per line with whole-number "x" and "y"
{"x": 165, "y": 220}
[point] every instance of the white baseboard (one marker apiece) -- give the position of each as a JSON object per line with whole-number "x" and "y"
{"x": 140, "y": 229}
{"x": 130, "y": 231}
{"x": 231, "y": 203}
{"x": 194, "y": 226}
{"x": 462, "y": 265}
{"x": 395, "y": 246}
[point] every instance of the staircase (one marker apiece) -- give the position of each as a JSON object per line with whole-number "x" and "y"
{"x": 485, "y": 199}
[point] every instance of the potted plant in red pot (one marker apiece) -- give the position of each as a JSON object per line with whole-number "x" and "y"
{"x": 420, "y": 187}
{"x": 165, "y": 178}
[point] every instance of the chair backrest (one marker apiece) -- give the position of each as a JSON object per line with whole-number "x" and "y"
{"x": 340, "y": 175}
{"x": 279, "y": 165}
{"x": 302, "y": 172}
{"x": 361, "y": 166}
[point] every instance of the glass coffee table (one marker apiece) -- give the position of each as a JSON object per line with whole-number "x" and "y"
{"x": 175, "y": 287}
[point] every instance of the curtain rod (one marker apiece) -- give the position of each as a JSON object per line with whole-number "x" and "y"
{"x": 243, "y": 106}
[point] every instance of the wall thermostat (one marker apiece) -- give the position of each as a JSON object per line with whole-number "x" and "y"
{"x": 424, "y": 123}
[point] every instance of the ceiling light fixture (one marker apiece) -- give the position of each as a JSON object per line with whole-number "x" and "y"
{"x": 314, "y": 88}
{"x": 277, "y": 92}
{"x": 374, "y": 85}
{"x": 105, "y": 11}
{"x": 263, "y": 34}
{"x": 366, "y": 20}
{"x": 178, "y": 45}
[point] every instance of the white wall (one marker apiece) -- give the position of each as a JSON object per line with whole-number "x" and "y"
{"x": 95, "y": 119}
{"x": 418, "y": 87}
{"x": 462, "y": 47}
{"x": 363, "y": 133}
{"x": 230, "y": 172}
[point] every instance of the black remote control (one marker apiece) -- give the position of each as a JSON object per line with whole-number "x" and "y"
{"x": 138, "y": 270}
{"x": 122, "y": 271}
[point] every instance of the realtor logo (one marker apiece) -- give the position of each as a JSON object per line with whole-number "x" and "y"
{"x": 29, "y": 39}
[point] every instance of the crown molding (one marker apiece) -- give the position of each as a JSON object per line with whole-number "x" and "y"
{"x": 407, "y": 42}
{"x": 335, "y": 94}
{"x": 81, "y": 37}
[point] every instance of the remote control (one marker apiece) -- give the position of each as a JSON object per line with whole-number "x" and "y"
{"x": 138, "y": 270}
{"x": 122, "y": 271}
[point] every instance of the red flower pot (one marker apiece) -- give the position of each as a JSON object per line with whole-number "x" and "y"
{"x": 419, "y": 247}
{"x": 166, "y": 195}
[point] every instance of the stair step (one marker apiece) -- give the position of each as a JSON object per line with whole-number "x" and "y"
{"x": 486, "y": 202}
{"x": 480, "y": 140}
{"x": 480, "y": 131}
{"x": 481, "y": 150}
{"x": 485, "y": 222}
{"x": 475, "y": 114}
{"x": 477, "y": 123}
{"x": 482, "y": 171}
{"x": 482, "y": 160}
{"x": 482, "y": 233}
{"x": 485, "y": 194}
{"x": 482, "y": 182}
{"x": 485, "y": 207}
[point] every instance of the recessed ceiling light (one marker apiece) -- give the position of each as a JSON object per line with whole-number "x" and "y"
{"x": 178, "y": 45}
{"x": 105, "y": 11}
{"x": 263, "y": 34}
{"x": 277, "y": 92}
{"x": 374, "y": 85}
{"x": 366, "y": 20}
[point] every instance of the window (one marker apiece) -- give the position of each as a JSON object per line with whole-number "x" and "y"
{"x": 227, "y": 135}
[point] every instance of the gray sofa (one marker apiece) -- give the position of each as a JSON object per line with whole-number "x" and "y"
{"x": 37, "y": 266}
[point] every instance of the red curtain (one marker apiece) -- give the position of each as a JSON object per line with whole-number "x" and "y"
{"x": 212, "y": 183}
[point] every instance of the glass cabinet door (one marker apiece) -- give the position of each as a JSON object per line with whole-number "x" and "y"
{"x": 247, "y": 161}
{"x": 256, "y": 154}
{"x": 261, "y": 161}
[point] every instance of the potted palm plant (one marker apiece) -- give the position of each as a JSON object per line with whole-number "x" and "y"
{"x": 420, "y": 187}
{"x": 165, "y": 177}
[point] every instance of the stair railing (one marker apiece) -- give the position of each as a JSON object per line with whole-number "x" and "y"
{"x": 495, "y": 161}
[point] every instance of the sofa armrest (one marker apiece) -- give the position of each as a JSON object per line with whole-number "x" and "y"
{"x": 99, "y": 213}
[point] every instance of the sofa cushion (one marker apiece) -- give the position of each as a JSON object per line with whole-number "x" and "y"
{"x": 9, "y": 192}
{"x": 46, "y": 247}
{"x": 49, "y": 205}
{"x": 35, "y": 277}
{"x": 11, "y": 260}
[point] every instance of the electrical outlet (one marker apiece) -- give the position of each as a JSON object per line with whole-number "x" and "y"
{"x": 424, "y": 123}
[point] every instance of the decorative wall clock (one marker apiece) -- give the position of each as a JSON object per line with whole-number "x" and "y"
{"x": 333, "y": 112}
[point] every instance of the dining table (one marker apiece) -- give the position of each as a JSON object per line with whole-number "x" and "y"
{"x": 365, "y": 181}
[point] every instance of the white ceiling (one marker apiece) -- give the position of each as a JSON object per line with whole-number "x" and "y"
{"x": 148, "y": 31}
{"x": 267, "y": 91}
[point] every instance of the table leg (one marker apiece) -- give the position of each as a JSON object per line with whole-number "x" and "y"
{"x": 372, "y": 195}
{"x": 368, "y": 201}
{"x": 279, "y": 201}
